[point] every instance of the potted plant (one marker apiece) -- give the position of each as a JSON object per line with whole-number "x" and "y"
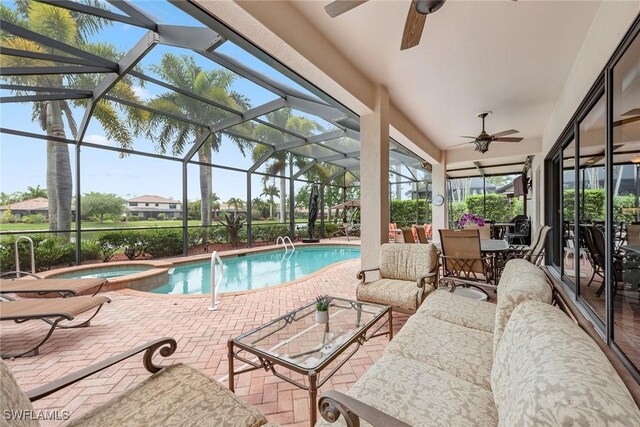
{"x": 322, "y": 309}
{"x": 469, "y": 220}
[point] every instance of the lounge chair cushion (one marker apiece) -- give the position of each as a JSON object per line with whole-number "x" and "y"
{"x": 407, "y": 262}
{"x": 49, "y": 307}
{"x": 463, "y": 311}
{"x": 176, "y": 396}
{"x": 421, "y": 395}
{"x": 396, "y": 293}
{"x": 521, "y": 281}
{"x": 462, "y": 352}
{"x": 13, "y": 399}
{"x": 547, "y": 371}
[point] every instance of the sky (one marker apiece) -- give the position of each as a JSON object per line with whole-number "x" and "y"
{"x": 23, "y": 160}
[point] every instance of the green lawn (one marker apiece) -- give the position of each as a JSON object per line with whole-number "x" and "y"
{"x": 110, "y": 224}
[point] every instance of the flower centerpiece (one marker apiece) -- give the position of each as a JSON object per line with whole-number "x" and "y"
{"x": 468, "y": 219}
{"x": 322, "y": 309}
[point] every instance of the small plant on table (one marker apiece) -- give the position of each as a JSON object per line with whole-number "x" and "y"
{"x": 322, "y": 308}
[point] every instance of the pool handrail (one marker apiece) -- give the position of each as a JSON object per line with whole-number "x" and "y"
{"x": 33, "y": 255}
{"x": 215, "y": 303}
{"x": 284, "y": 240}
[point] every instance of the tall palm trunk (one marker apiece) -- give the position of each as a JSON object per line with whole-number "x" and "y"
{"x": 271, "y": 206}
{"x": 51, "y": 180}
{"x": 206, "y": 183}
{"x": 62, "y": 180}
{"x": 283, "y": 197}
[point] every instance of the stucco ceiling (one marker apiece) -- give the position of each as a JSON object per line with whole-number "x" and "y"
{"x": 511, "y": 58}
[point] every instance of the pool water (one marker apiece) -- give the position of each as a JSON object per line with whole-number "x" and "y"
{"x": 103, "y": 273}
{"x": 254, "y": 271}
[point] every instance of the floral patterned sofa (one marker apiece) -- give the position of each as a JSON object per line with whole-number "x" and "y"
{"x": 462, "y": 362}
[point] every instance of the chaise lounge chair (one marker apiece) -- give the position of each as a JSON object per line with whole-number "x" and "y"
{"x": 175, "y": 395}
{"x": 63, "y": 287}
{"x": 51, "y": 311}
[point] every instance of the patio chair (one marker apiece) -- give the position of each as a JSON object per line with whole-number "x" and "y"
{"x": 408, "y": 273}
{"x": 463, "y": 260}
{"x": 521, "y": 231}
{"x": 174, "y": 395}
{"x": 534, "y": 253}
{"x": 37, "y": 285}
{"x": 51, "y": 311}
{"x": 407, "y": 234}
{"x": 633, "y": 234}
{"x": 485, "y": 231}
{"x": 419, "y": 234}
{"x": 595, "y": 242}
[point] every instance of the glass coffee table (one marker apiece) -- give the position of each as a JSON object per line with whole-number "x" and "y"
{"x": 296, "y": 343}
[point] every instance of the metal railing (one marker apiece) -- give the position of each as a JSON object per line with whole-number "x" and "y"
{"x": 215, "y": 283}
{"x": 284, "y": 240}
{"x": 33, "y": 255}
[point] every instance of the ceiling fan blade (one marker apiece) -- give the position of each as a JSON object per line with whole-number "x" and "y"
{"x": 339, "y": 7}
{"x": 505, "y": 133}
{"x": 462, "y": 143}
{"x": 413, "y": 27}
{"x": 634, "y": 112}
{"x": 470, "y": 137}
{"x": 508, "y": 139}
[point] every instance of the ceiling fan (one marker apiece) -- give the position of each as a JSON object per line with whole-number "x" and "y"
{"x": 413, "y": 26}
{"x": 483, "y": 140}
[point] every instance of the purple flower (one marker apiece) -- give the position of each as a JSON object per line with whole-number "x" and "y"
{"x": 469, "y": 217}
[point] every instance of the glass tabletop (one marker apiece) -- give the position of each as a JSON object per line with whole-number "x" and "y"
{"x": 297, "y": 337}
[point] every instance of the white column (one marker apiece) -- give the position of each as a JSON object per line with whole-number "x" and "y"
{"x": 374, "y": 179}
{"x": 440, "y": 214}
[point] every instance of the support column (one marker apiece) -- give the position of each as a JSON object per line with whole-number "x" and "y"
{"x": 249, "y": 220}
{"x": 439, "y": 214}
{"x": 374, "y": 179}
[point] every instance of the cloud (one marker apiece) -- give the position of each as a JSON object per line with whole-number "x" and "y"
{"x": 97, "y": 139}
{"x": 141, "y": 92}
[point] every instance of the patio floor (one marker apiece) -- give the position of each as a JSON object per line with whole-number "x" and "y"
{"x": 132, "y": 319}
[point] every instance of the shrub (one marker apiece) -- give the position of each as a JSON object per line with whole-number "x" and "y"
{"x": 162, "y": 242}
{"x": 7, "y": 252}
{"x": 8, "y": 217}
{"x": 133, "y": 218}
{"x": 55, "y": 251}
{"x": 34, "y": 219}
{"x": 89, "y": 250}
{"x": 194, "y": 236}
{"x": 405, "y": 212}
{"x": 151, "y": 218}
{"x": 161, "y": 216}
{"x": 109, "y": 243}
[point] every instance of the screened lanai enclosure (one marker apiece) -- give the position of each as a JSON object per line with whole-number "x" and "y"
{"x": 150, "y": 127}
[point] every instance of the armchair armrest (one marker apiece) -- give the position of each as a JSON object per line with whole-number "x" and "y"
{"x": 450, "y": 281}
{"x": 421, "y": 279}
{"x": 166, "y": 347}
{"x": 362, "y": 274}
{"x": 332, "y": 404}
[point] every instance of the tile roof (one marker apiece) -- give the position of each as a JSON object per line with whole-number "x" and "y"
{"x": 37, "y": 204}
{"x": 152, "y": 199}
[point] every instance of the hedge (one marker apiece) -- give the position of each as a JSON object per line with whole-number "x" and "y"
{"x": 405, "y": 213}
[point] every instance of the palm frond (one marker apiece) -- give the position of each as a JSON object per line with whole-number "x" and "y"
{"x": 113, "y": 127}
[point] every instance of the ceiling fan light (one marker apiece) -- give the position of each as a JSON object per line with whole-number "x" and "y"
{"x": 426, "y": 7}
{"x": 482, "y": 146}
{"x": 635, "y": 159}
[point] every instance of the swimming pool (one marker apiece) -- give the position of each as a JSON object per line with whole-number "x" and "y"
{"x": 257, "y": 270}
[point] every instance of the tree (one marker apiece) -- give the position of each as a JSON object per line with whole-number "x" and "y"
{"x": 281, "y": 159}
{"x": 102, "y": 204}
{"x": 175, "y": 135}
{"x": 74, "y": 29}
{"x": 270, "y": 191}
{"x": 33, "y": 193}
{"x": 237, "y": 203}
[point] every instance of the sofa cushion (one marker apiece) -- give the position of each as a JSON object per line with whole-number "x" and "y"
{"x": 548, "y": 371}
{"x": 421, "y": 395}
{"x": 408, "y": 262}
{"x": 396, "y": 293}
{"x": 12, "y": 398}
{"x": 176, "y": 396}
{"x": 521, "y": 281}
{"x": 460, "y": 310}
{"x": 463, "y": 352}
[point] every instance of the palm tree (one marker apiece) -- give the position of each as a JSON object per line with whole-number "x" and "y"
{"x": 33, "y": 193}
{"x": 74, "y": 29}
{"x": 270, "y": 191}
{"x": 183, "y": 72}
{"x": 281, "y": 159}
{"x": 237, "y": 203}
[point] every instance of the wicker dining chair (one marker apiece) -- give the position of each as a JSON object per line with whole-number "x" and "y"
{"x": 407, "y": 234}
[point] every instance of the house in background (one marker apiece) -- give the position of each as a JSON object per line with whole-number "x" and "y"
{"x": 145, "y": 207}
{"x": 39, "y": 205}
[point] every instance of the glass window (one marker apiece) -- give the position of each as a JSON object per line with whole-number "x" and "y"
{"x": 626, "y": 192}
{"x": 569, "y": 255}
{"x": 592, "y": 194}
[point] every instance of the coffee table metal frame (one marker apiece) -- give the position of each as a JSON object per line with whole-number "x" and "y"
{"x": 270, "y": 362}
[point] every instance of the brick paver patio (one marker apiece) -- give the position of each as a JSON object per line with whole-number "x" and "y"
{"x": 133, "y": 318}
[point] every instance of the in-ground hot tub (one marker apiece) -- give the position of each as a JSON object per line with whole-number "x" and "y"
{"x": 138, "y": 275}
